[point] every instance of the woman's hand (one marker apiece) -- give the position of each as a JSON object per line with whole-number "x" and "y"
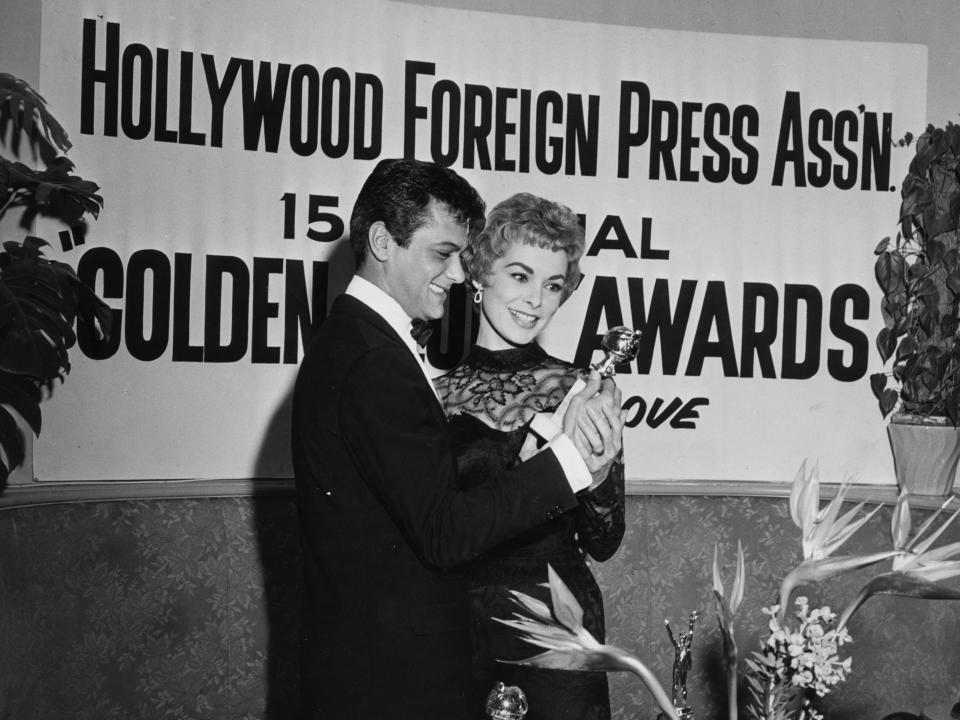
{"x": 594, "y": 421}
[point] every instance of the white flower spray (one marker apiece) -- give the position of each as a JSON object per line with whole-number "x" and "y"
{"x": 801, "y": 655}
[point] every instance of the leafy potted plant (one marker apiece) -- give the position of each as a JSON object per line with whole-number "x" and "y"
{"x": 919, "y": 274}
{"x": 41, "y": 300}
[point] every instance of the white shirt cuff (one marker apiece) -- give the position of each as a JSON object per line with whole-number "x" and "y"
{"x": 578, "y": 476}
{"x": 574, "y": 468}
{"x": 545, "y": 426}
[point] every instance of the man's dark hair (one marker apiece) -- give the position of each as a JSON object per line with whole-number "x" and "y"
{"x": 398, "y": 193}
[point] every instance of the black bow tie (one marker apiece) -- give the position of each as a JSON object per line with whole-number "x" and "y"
{"x": 420, "y": 331}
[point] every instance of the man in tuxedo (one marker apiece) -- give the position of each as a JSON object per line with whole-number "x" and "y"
{"x": 385, "y": 632}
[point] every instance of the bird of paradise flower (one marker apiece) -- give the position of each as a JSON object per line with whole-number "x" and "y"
{"x": 570, "y": 646}
{"x": 823, "y": 532}
{"x": 917, "y": 569}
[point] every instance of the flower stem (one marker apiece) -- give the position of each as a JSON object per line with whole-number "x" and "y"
{"x": 659, "y": 694}
{"x": 730, "y": 668}
{"x": 732, "y": 694}
{"x": 852, "y": 607}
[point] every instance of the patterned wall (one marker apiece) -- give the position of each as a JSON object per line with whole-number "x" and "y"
{"x": 188, "y": 609}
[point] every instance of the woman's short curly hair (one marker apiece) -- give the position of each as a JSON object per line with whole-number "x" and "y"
{"x": 532, "y": 220}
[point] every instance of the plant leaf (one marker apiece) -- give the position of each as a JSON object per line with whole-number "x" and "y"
{"x": 717, "y": 582}
{"x": 577, "y": 659}
{"x": 12, "y": 444}
{"x": 40, "y": 302}
{"x": 796, "y": 488}
{"x": 844, "y": 528}
{"x": 806, "y": 491}
{"x": 943, "y": 552}
{"x": 52, "y": 191}
{"x": 900, "y": 521}
{"x": 28, "y": 110}
{"x": 915, "y": 545}
{"x": 921, "y": 546}
{"x": 878, "y": 381}
{"x": 890, "y": 271}
{"x": 736, "y": 594}
{"x": 23, "y": 395}
{"x": 888, "y": 402}
{"x": 532, "y": 605}
{"x": 42, "y": 298}
{"x": 551, "y": 636}
{"x": 565, "y": 606}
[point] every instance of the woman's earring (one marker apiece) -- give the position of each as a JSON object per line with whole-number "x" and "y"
{"x": 478, "y": 295}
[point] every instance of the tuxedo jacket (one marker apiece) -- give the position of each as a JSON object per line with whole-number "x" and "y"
{"x": 383, "y": 526}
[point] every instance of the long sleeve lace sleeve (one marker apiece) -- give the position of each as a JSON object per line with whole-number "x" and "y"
{"x": 600, "y": 524}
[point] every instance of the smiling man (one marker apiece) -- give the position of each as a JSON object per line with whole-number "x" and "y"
{"x": 385, "y": 631}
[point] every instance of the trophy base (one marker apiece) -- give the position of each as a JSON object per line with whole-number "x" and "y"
{"x": 684, "y": 713}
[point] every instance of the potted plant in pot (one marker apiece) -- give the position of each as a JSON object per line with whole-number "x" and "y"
{"x": 41, "y": 300}
{"x": 919, "y": 274}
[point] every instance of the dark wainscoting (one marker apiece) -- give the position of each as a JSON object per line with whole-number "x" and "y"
{"x": 187, "y": 607}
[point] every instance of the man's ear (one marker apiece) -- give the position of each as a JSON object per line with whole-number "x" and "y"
{"x": 379, "y": 241}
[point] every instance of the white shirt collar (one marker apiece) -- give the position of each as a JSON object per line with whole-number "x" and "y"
{"x": 395, "y": 316}
{"x": 384, "y": 305}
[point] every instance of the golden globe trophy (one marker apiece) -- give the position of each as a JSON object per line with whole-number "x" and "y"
{"x": 619, "y": 344}
{"x": 506, "y": 702}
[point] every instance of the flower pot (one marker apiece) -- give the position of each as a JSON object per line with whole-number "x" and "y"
{"x": 925, "y": 454}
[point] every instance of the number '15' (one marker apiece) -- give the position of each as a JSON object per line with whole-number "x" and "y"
{"x": 315, "y": 214}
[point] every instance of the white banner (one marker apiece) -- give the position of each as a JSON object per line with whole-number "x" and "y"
{"x": 732, "y": 188}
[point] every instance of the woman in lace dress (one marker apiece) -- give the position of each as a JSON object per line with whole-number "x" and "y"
{"x": 523, "y": 266}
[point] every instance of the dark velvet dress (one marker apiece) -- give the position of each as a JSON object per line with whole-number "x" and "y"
{"x": 490, "y": 399}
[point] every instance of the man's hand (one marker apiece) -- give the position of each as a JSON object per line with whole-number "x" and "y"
{"x": 594, "y": 421}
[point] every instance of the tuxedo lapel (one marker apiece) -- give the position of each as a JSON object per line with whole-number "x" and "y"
{"x": 350, "y": 307}
{"x": 358, "y": 311}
